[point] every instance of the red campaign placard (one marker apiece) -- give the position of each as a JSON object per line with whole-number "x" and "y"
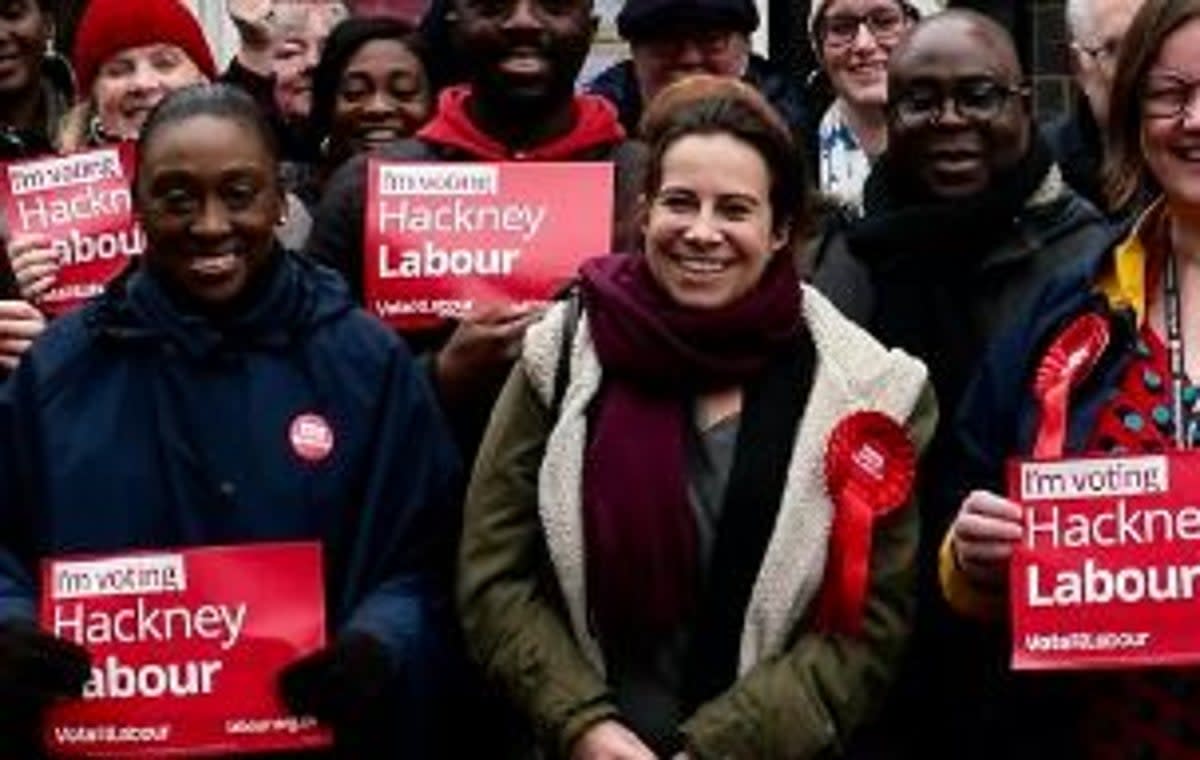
{"x": 84, "y": 204}
{"x": 1107, "y": 573}
{"x": 442, "y": 240}
{"x": 186, "y": 646}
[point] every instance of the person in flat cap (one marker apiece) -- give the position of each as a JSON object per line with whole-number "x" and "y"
{"x": 670, "y": 39}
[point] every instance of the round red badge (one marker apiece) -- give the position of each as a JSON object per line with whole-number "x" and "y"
{"x": 311, "y": 437}
{"x": 870, "y": 465}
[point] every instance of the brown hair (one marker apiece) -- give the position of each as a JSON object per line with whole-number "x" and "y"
{"x": 1125, "y": 170}
{"x": 705, "y": 105}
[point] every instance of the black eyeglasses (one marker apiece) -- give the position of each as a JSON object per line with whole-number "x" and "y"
{"x": 977, "y": 100}
{"x": 1168, "y": 97}
{"x": 840, "y": 29}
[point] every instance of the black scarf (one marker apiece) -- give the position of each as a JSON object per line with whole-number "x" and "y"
{"x": 905, "y": 226}
{"x": 771, "y": 414}
{"x": 925, "y": 258}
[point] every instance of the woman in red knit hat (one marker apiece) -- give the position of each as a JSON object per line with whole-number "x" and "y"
{"x": 127, "y": 57}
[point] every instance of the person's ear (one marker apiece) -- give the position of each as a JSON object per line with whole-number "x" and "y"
{"x": 641, "y": 214}
{"x": 781, "y": 235}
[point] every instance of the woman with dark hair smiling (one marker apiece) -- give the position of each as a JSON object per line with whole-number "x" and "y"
{"x": 369, "y": 88}
{"x": 1107, "y": 363}
{"x": 657, "y": 557}
{"x": 163, "y": 414}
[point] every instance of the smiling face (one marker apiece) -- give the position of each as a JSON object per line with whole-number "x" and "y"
{"x": 855, "y": 56}
{"x": 132, "y": 82}
{"x": 383, "y": 95}
{"x": 208, "y": 198}
{"x": 708, "y": 229}
{"x": 300, "y": 31}
{"x": 24, "y": 30}
{"x": 1171, "y": 144}
{"x": 523, "y": 53}
{"x": 955, "y": 155}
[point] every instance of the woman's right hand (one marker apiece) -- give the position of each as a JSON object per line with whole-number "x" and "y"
{"x": 20, "y": 323}
{"x": 609, "y": 740}
{"x": 983, "y": 535}
{"x": 34, "y": 264}
{"x": 481, "y": 346}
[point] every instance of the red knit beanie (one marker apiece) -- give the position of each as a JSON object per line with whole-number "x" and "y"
{"x": 110, "y": 26}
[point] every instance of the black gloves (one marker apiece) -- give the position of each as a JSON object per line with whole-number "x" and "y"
{"x": 36, "y": 668}
{"x": 350, "y": 686}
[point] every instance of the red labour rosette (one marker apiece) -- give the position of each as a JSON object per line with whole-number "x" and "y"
{"x": 1070, "y": 357}
{"x": 870, "y": 466}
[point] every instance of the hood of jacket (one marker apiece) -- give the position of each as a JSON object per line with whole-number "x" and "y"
{"x": 296, "y": 297}
{"x": 596, "y": 126}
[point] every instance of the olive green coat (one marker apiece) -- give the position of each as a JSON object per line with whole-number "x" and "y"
{"x": 800, "y": 693}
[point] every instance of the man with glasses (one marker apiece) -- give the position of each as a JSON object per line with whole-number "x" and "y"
{"x": 1095, "y": 29}
{"x": 670, "y": 39}
{"x": 966, "y": 215}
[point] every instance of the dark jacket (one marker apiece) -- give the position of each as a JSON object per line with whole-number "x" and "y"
{"x": 998, "y": 419}
{"x": 947, "y": 315}
{"x": 1074, "y": 138}
{"x": 132, "y": 425}
{"x": 619, "y": 84}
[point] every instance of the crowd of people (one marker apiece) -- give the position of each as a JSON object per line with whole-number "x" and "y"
{"x": 628, "y": 521}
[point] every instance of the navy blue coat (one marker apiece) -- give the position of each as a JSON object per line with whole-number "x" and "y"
{"x": 133, "y": 425}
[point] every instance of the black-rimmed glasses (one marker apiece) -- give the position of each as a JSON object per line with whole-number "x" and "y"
{"x": 840, "y": 29}
{"x": 977, "y": 100}
{"x": 1168, "y": 97}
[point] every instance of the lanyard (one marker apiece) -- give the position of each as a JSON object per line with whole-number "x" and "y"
{"x": 1173, "y": 308}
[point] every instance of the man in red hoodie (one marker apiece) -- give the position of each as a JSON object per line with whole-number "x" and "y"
{"x": 521, "y": 59}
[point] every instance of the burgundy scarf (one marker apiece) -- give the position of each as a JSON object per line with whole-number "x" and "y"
{"x": 640, "y": 533}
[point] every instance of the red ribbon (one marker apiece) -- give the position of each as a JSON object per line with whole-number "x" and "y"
{"x": 1070, "y": 357}
{"x": 870, "y": 465}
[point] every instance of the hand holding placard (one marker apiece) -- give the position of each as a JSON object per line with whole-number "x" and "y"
{"x": 344, "y": 686}
{"x": 36, "y": 669}
{"x": 34, "y": 263}
{"x": 82, "y": 205}
{"x": 984, "y": 534}
{"x": 1106, "y": 571}
{"x": 186, "y": 647}
{"x": 481, "y": 347}
{"x": 442, "y": 241}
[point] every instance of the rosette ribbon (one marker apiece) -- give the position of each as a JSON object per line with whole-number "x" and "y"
{"x": 870, "y": 466}
{"x": 1069, "y": 359}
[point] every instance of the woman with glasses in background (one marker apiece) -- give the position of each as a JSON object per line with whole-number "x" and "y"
{"x": 853, "y": 40}
{"x": 1128, "y": 318}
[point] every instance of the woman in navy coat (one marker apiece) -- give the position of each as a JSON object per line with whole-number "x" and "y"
{"x": 228, "y": 392}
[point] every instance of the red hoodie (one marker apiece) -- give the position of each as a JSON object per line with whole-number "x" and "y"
{"x": 595, "y": 125}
